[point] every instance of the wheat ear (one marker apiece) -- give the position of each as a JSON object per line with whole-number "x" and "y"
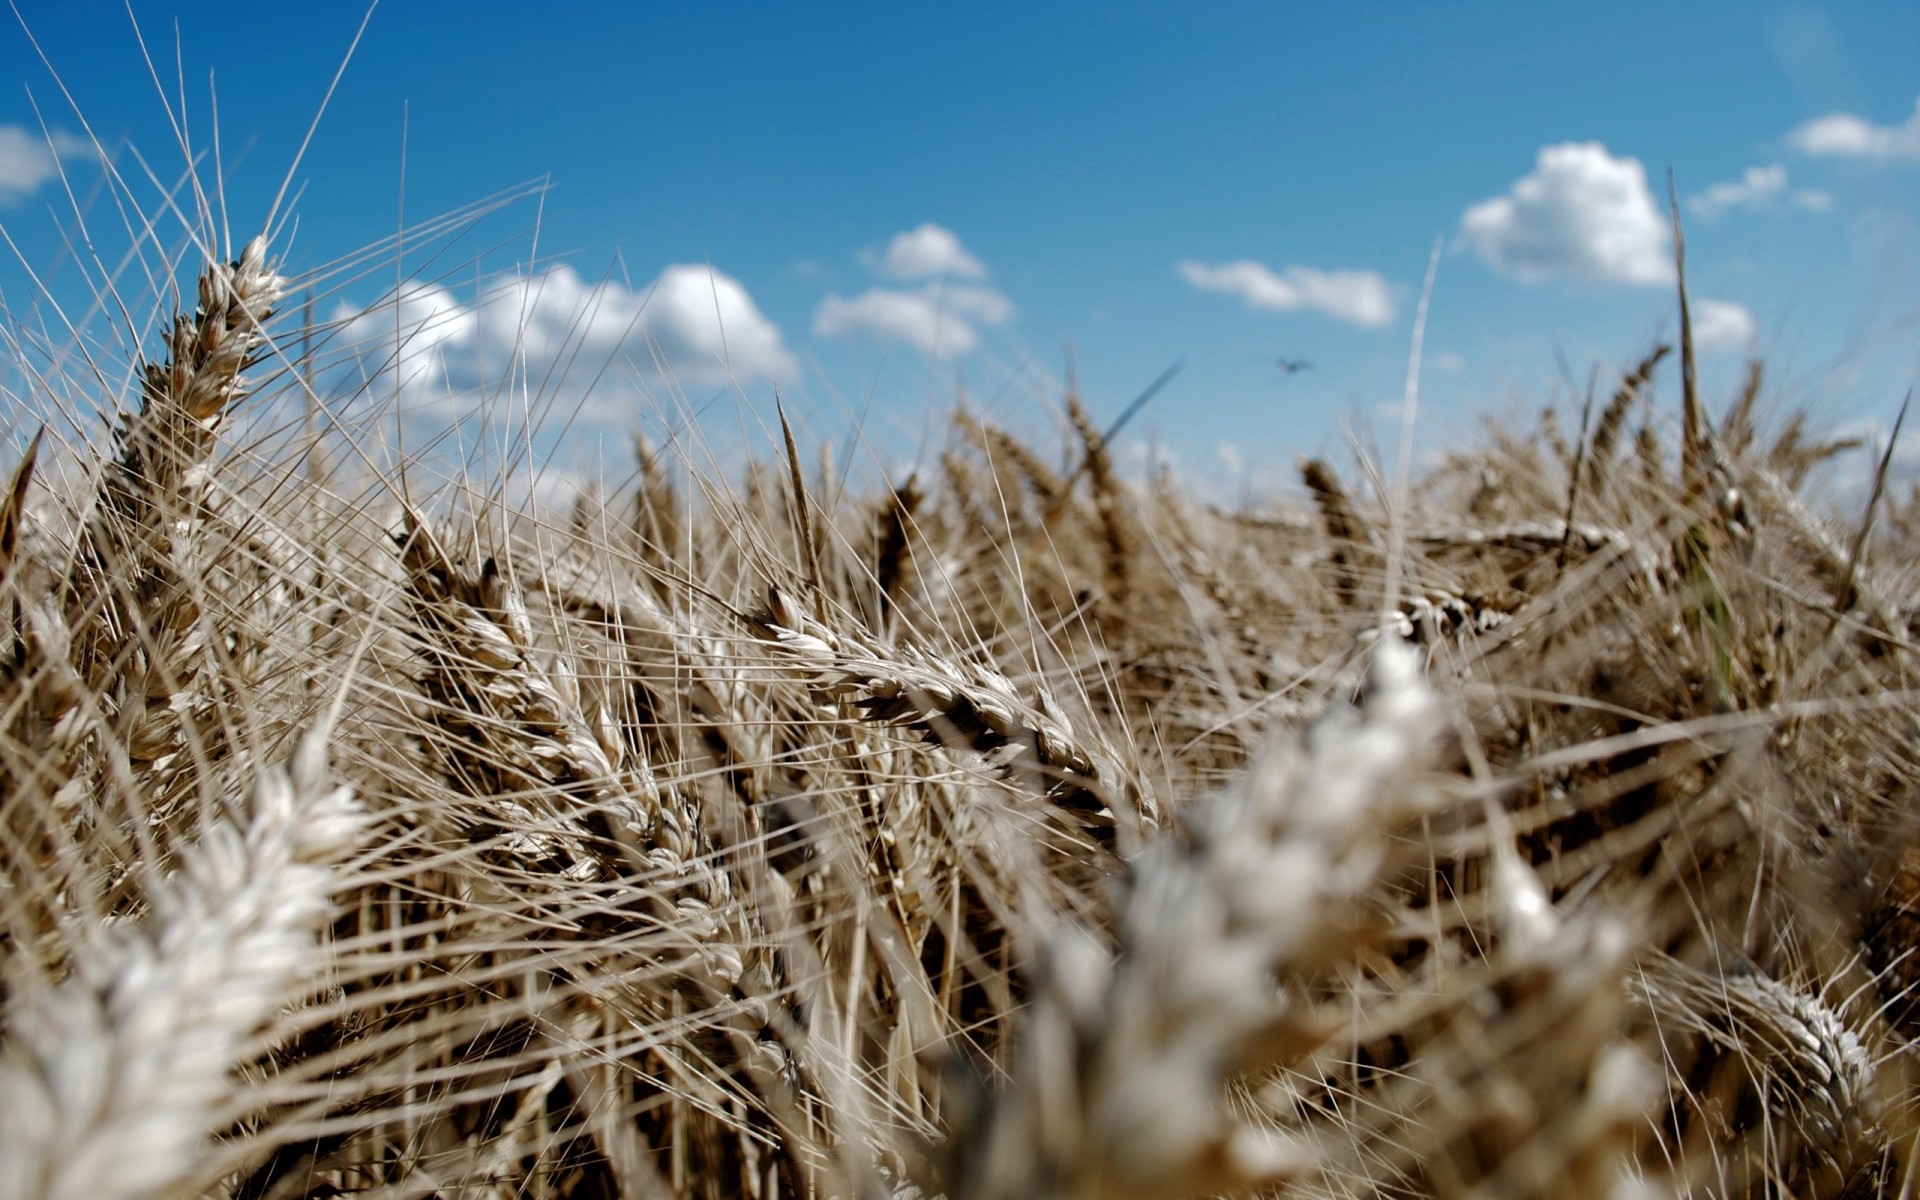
{"x": 1110, "y": 500}
{"x": 949, "y": 704}
{"x": 1779, "y": 1083}
{"x": 504, "y": 735}
{"x": 130, "y": 594}
{"x": 1613, "y": 418}
{"x": 1119, "y": 1087}
{"x": 112, "y": 1081}
{"x": 13, "y": 504}
{"x": 561, "y": 790}
{"x": 1346, "y": 530}
{"x": 125, "y": 579}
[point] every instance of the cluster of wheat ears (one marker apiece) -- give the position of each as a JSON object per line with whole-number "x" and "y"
{"x": 1539, "y": 825}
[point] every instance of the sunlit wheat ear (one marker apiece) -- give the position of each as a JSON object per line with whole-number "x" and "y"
{"x": 113, "y": 1081}
{"x": 37, "y": 686}
{"x": 961, "y": 706}
{"x": 13, "y": 505}
{"x": 658, "y": 523}
{"x": 512, "y": 719}
{"x": 150, "y": 493}
{"x": 130, "y": 593}
{"x": 1775, "y": 1082}
{"x": 1016, "y": 468}
{"x": 502, "y": 734}
{"x": 1110, "y": 499}
{"x": 508, "y": 730}
{"x": 564, "y": 804}
{"x": 1605, "y": 442}
{"x": 894, "y": 569}
{"x": 1119, "y": 1085}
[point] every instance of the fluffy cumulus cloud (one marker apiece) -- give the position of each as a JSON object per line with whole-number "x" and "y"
{"x": 927, "y": 251}
{"x": 1582, "y": 215}
{"x": 940, "y": 318}
{"x": 1357, "y": 297}
{"x": 1721, "y": 325}
{"x": 705, "y": 324}
{"x": 936, "y": 320}
{"x": 1844, "y": 135}
{"x": 692, "y": 324}
{"x": 28, "y": 162}
{"x": 410, "y": 341}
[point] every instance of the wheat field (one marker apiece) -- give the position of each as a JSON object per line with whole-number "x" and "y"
{"x": 1540, "y": 823}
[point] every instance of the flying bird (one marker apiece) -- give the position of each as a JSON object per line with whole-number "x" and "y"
{"x": 1293, "y": 366}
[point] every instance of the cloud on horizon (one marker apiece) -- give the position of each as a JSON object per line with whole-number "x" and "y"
{"x": 691, "y": 324}
{"x": 1582, "y": 215}
{"x": 1845, "y": 135}
{"x": 938, "y": 320}
{"x": 1362, "y": 298}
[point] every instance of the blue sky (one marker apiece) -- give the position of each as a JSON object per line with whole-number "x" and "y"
{"x": 888, "y": 204}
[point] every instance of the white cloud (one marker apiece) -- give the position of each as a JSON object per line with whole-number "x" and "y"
{"x": 706, "y": 325}
{"x": 1449, "y": 362}
{"x": 1720, "y": 325}
{"x": 1356, "y": 297}
{"x": 691, "y": 323}
{"x": 410, "y": 341}
{"x": 1844, "y": 135}
{"x": 935, "y": 319}
{"x": 27, "y": 162}
{"x": 1582, "y": 215}
{"x": 1232, "y": 460}
{"x": 928, "y": 250}
{"x": 939, "y": 318}
{"x": 1756, "y": 188}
